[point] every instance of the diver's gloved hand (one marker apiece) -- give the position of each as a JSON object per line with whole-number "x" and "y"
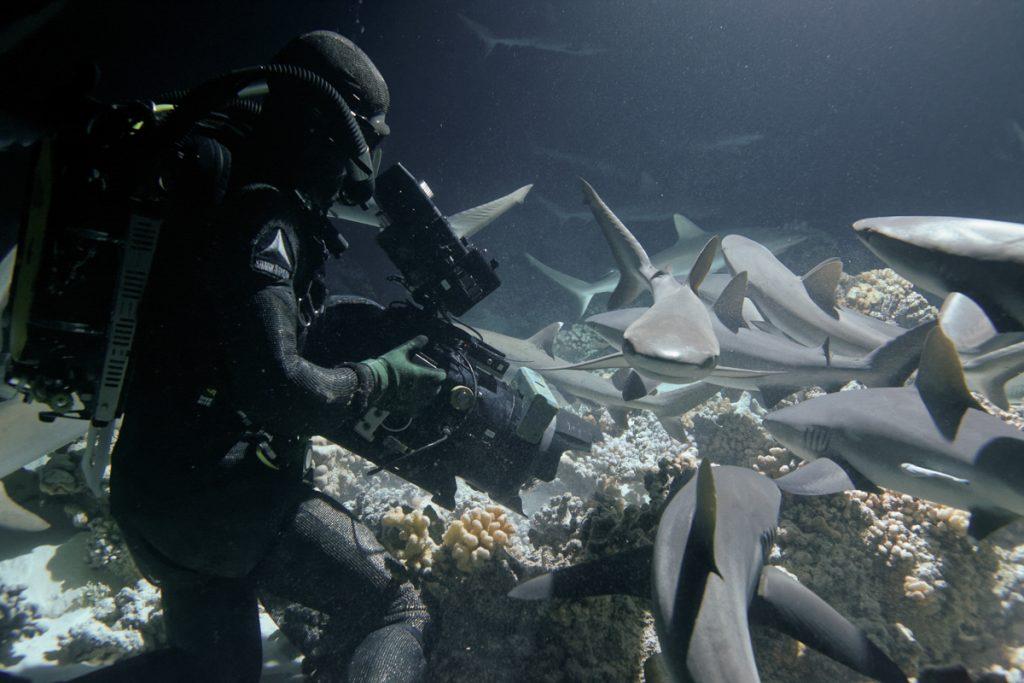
{"x": 402, "y": 385}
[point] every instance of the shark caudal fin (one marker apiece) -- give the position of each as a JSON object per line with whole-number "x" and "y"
{"x": 627, "y": 573}
{"x": 941, "y": 383}
{"x": 892, "y": 363}
{"x": 582, "y": 290}
{"x": 481, "y": 32}
{"x": 469, "y": 222}
{"x": 635, "y": 268}
{"x": 785, "y": 604}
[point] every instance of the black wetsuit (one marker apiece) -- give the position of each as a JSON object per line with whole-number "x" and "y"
{"x": 206, "y": 476}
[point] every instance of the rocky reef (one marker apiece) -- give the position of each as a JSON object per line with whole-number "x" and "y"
{"x": 899, "y": 567}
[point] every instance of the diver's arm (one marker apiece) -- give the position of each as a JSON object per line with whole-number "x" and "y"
{"x": 278, "y": 388}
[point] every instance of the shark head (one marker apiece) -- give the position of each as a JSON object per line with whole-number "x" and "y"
{"x": 903, "y": 243}
{"x": 804, "y": 428}
{"x": 670, "y": 340}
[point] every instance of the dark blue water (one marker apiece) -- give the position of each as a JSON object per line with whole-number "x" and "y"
{"x": 847, "y": 109}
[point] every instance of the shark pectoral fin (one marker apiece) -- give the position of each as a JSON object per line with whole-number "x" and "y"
{"x": 626, "y": 573}
{"x": 686, "y": 229}
{"x": 705, "y": 260}
{"x": 656, "y": 670}
{"x": 673, "y": 427}
{"x": 729, "y": 307}
{"x": 620, "y": 416}
{"x": 16, "y": 518}
{"x": 545, "y": 338}
{"x": 953, "y": 673}
{"x": 467, "y": 223}
{"x": 612, "y": 360}
{"x": 925, "y": 473}
{"x": 985, "y": 521}
{"x": 784, "y": 603}
{"x": 771, "y": 395}
{"x": 633, "y": 385}
{"x": 819, "y": 477}
{"x": 941, "y": 383}
{"x": 821, "y": 282}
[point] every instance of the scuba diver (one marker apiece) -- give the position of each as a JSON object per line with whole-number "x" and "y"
{"x": 206, "y": 479}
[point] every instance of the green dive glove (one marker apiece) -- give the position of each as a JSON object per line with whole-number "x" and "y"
{"x": 403, "y": 386}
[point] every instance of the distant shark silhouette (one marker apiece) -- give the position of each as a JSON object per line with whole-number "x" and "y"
{"x": 492, "y": 41}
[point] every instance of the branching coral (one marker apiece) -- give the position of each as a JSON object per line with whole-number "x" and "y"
{"x": 413, "y": 528}
{"x": 478, "y": 533}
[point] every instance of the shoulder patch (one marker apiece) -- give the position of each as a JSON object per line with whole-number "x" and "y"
{"x": 272, "y": 254}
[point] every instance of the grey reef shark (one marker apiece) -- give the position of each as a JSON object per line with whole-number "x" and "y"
{"x": 492, "y": 41}
{"x": 931, "y": 440}
{"x": 690, "y": 240}
{"x": 980, "y": 258}
{"x": 804, "y": 308}
{"x": 536, "y": 353}
{"x": 707, "y": 579}
{"x": 990, "y": 358}
{"x": 673, "y": 340}
{"x": 777, "y": 366}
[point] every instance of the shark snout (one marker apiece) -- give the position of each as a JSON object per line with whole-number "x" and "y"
{"x": 805, "y": 439}
{"x": 670, "y": 360}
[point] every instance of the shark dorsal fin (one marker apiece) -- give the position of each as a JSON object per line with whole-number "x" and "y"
{"x": 821, "y": 282}
{"x": 729, "y": 307}
{"x": 702, "y": 266}
{"x": 941, "y": 383}
{"x": 545, "y": 338}
{"x": 686, "y": 229}
{"x": 965, "y": 322}
{"x": 705, "y": 513}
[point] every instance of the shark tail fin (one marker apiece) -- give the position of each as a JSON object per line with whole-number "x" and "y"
{"x": 544, "y": 338}
{"x": 635, "y": 268}
{"x": 481, "y": 32}
{"x": 626, "y": 573}
{"x": 941, "y": 383}
{"x": 893, "y": 362}
{"x": 784, "y": 603}
{"x": 583, "y": 291}
{"x": 469, "y": 222}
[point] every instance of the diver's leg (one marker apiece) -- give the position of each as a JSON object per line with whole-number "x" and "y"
{"x": 214, "y": 622}
{"x": 327, "y": 560}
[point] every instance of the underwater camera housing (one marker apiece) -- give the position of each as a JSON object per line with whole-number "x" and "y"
{"x": 499, "y": 430}
{"x": 441, "y": 270}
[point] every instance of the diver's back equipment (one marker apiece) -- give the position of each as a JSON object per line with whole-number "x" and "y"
{"x": 101, "y": 190}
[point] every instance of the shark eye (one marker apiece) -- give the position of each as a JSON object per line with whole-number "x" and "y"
{"x": 816, "y": 439}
